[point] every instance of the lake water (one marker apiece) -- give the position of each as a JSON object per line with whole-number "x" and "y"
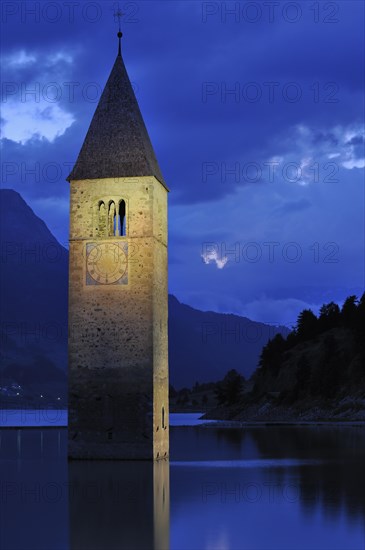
{"x": 254, "y": 488}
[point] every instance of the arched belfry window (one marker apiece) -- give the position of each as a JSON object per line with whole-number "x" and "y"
{"x": 101, "y": 219}
{"x": 122, "y": 219}
{"x": 111, "y": 219}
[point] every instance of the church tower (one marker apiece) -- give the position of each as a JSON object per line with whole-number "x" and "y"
{"x": 118, "y": 363}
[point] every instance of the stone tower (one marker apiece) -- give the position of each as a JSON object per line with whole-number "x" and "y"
{"x": 118, "y": 364}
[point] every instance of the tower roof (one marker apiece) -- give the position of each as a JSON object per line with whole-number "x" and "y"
{"x": 117, "y": 142}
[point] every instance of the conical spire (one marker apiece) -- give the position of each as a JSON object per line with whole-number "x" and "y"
{"x": 117, "y": 143}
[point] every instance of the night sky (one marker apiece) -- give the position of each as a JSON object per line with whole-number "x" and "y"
{"x": 256, "y": 114}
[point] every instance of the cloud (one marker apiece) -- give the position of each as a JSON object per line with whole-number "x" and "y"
{"x": 302, "y": 158}
{"x": 59, "y": 56}
{"x": 23, "y": 122}
{"x": 290, "y": 246}
{"x": 293, "y": 206}
{"x": 32, "y": 96}
{"x": 354, "y": 163}
{"x": 19, "y": 59}
{"x": 212, "y": 255}
{"x": 356, "y": 140}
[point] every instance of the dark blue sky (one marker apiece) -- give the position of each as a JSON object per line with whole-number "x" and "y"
{"x": 256, "y": 113}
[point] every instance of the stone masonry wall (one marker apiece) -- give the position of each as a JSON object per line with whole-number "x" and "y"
{"x": 118, "y": 381}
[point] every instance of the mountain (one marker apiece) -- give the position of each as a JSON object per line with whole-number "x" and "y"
{"x": 203, "y": 346}
{"x": 33, "y": 302}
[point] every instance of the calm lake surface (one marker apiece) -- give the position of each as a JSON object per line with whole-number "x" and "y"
{"x": 254, "y": 488}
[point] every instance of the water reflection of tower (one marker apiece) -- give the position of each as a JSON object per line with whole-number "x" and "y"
{"x": 161, "y": 495}
{"x": 119, "y": 504}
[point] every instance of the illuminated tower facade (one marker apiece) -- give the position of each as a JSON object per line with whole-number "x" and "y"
{"x": 118, "y": 348}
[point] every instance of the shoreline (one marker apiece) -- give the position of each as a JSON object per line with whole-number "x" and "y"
{"x": 268, "y": 423}
{"x": 226, "y": 424}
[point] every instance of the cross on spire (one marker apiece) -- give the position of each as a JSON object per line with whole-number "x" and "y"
{"x": 119, "y": 14}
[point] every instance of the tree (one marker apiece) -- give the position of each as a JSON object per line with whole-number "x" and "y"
{"x": 329, "y": 317}
{"x": 271, "y": 355}
{"x": 349, "y": 312}
{"x": 360, "y": 324}
{"x": 301, "y": 387}
{"x": 329, "y": 369}
{"x": 183, "y": 396}
{"x": 303, "y": 374}
{"x": 361, "y": 308}
{"x": 307, "y": 325}
{"x": 229, "y": 389}
{"x": 291, "y": 339}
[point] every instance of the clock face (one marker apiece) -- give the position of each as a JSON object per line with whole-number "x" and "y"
{"x": 106, "y": 263}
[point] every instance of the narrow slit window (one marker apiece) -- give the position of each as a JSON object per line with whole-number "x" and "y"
{"x": 122, "y": 219}
{"x": 163, "y": 418}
